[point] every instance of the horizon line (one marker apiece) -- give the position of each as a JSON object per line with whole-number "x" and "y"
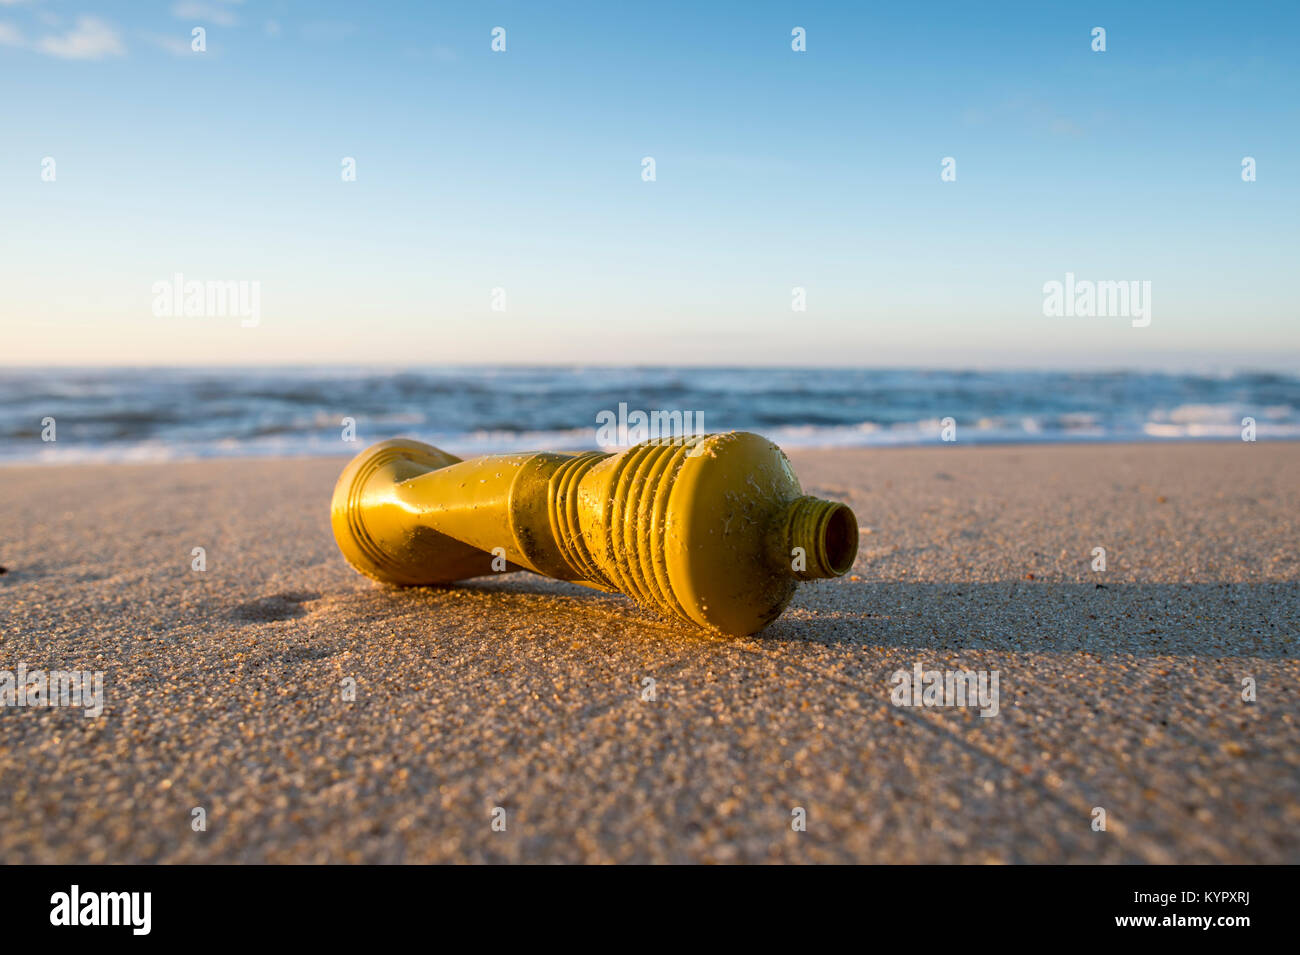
{"x": 1174, "y": 364}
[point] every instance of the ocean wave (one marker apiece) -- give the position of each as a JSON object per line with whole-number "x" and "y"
{"x": 174, "y": 414}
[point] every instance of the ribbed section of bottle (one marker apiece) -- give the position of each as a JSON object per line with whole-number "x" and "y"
{"x": 617, "y": 523}
{"x": 566, "y": 527}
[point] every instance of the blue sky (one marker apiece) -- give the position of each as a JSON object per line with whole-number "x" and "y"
{"x": 522, "y": 170}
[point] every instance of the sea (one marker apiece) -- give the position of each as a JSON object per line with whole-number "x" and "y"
{"x": 159, "y": 414}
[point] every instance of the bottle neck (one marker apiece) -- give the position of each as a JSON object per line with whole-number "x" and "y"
{"x": 817, "y": 538}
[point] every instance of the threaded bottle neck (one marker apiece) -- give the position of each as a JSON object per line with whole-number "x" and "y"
{"x": 820, "y": 538}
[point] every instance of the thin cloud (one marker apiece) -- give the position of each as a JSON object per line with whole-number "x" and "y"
{"x": 175, "y": 45}
{"x": 212, "y": 13}
{"x": 1027, "y": 111}
{"x": 10, "y": 35}
{"x": 89, "y": 39}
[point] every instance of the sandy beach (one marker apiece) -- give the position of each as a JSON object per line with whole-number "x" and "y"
{"x": 1119, "y": 689}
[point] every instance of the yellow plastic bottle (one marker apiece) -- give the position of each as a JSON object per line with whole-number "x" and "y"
{"x": 713, "y": 529}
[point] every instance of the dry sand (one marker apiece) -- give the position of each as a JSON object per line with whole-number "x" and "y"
{"x": 1119, "y": 690}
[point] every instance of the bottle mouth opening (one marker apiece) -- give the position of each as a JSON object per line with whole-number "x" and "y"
{"x": 822, "y": 536}
{"x": 840, "y": 540}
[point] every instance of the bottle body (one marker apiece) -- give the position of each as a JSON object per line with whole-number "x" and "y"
{"x": 713, "y": 529}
